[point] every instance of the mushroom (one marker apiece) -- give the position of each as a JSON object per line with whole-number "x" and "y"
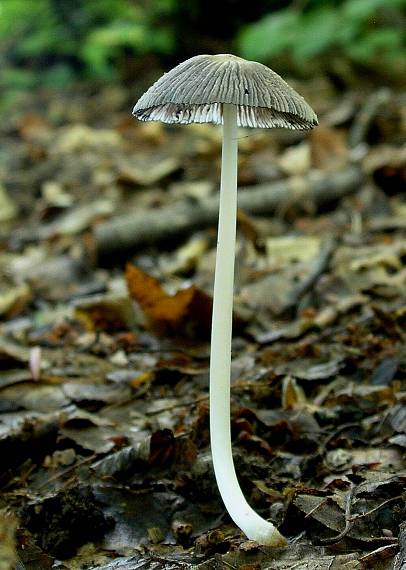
{"x": 225, "y": 89}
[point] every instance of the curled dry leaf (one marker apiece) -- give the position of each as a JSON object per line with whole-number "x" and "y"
{"x": 293, "y": 395}
{"x": 187, "y": 313}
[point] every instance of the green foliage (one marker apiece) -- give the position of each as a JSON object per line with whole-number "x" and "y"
{"x": 66, "y": 38}
{"x": 270, "y": 36}
{"x": 360, "y": 30}
{"x": 53, "y": 42}
{"x": 104, "y": 45}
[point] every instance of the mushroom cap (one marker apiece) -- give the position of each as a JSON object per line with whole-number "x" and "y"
{"x": 194, "y": 91}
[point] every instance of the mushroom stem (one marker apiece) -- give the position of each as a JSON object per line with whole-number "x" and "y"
{"x": 254, "y": 526}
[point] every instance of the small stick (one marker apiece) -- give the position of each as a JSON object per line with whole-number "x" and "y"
{"x": 348, "y": 520}
{"x": 126, "y": 232}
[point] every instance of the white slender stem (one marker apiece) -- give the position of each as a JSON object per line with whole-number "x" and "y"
{"x": 254, "y": 526}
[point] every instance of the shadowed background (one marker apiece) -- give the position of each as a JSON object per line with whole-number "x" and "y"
{"x": 52, "y": 43}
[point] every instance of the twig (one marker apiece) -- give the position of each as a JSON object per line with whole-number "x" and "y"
{"x": 65, "y": 471}
{"x": 137, "y": 229}
{"x": 362, "y": 515}
{"x": 314, "y": 509}
{"x": 192, "y": 403}
{"x": 320, "y": 265}
{"x": 348, "y": 520}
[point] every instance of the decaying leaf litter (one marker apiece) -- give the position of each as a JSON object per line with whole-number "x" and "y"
{"x": 106, "y": 261}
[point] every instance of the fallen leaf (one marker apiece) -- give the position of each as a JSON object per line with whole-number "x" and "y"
{"x": 147, "y": 171}
{"x": 80, "y": 138}
{"x": 187, "y": 313}
{"x": 293, "y": 396}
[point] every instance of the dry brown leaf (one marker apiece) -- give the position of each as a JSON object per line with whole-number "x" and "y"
{"x": 187, "y": 313}
{"x": 142, "y": 379}
{"x": 292, "y": 394}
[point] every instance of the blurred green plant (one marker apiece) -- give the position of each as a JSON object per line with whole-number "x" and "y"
{"x": 53, "y": 41}
{"x": 360, "y": 30}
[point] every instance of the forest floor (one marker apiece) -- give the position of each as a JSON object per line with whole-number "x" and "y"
{"x": 107, "y": 247}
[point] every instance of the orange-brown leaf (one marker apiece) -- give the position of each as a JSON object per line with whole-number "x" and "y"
{"x": 188, "y": 312}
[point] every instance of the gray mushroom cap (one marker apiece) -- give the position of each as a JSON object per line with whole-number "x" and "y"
{"x": 194, "y": 91}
